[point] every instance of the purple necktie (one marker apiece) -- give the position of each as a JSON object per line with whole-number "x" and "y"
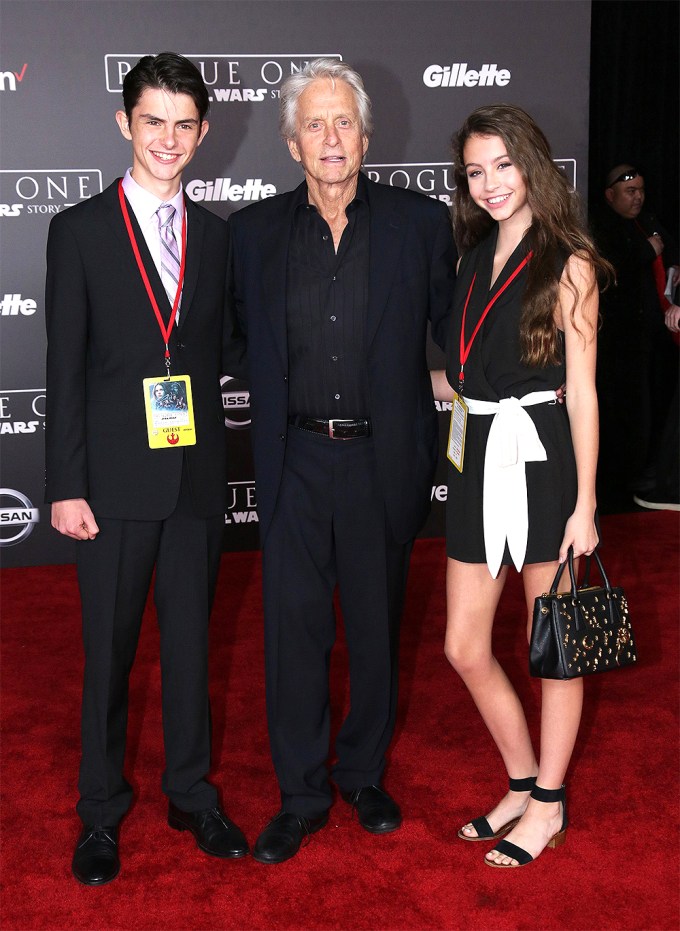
{"x": 169, "y": 252}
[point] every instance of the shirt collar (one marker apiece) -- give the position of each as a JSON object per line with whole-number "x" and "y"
{"x": 360, "y": 197}
{"x": 145, "y": 204}
{"x": 362, "y": 189}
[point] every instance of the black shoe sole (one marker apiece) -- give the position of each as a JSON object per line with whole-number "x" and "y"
{"x": 98, "y": 882}
{"x": 381, "y": 830}
{"x": 267, "y": 860}
{"x": 224, "y": 856}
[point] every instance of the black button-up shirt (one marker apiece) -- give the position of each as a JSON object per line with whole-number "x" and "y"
{"x": 327, "y": 304}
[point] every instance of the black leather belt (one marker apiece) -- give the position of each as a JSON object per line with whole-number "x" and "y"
{"x": 335, "y": 429}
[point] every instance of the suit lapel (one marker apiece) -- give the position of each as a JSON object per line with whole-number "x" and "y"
{"x": 195, "y": 233}
{"x": 387, "y": 231}
{"x": 115, "y": 219}
{"x": 274, "y": 244}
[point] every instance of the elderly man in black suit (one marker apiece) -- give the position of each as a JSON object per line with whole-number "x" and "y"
{"x": 334, "y": 284}
{"x": 136, "y": 285}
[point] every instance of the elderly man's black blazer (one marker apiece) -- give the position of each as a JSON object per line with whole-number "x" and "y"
{"x": 412, "y": 269}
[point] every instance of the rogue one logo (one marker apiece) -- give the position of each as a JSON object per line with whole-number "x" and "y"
{"x": 46, "y": 191}
{"x": 22, "y": 411}
{"x": 457, "y": 75}
{"x": 431, "y": 178}
{"x": 236, "y": 78}
{"x": 18, "y": 517}
{"x": 241, "y": 503}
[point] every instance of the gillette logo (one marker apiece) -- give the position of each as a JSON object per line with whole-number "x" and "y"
{"x": 223, "y": 189}
{"x": 457, "y": 75}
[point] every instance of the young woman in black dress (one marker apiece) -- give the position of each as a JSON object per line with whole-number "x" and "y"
{"x": 525, "y": 324}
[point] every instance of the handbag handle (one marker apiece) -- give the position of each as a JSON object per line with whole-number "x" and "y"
{"x": 572, "y": 576}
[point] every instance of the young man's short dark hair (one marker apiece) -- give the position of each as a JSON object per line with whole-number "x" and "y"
{"x": 167, "y": 71}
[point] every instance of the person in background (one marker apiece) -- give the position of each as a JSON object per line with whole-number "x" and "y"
{"x": 521, "y": 486}
{"x": 635, "y": 347}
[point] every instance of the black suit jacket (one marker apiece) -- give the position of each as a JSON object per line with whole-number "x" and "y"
{"x": 633, "y": 298}
{"x": 103, "y": 340}
{"x": 412, "y": 270}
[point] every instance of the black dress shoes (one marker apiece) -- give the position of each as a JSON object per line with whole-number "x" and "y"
{"x": 214, "y": 832}
{"x": 95, "y": 861}
{"x": 376, "y": 810}
{"x": 283, "y": 836}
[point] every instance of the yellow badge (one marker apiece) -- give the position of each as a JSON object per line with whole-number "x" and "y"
{"x": 169, "y": 412}
{"x": 456, "y": 447}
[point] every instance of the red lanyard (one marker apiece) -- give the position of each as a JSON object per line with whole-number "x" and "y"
{"x": 165, "y": 330}
{"x": 466, "y": 347}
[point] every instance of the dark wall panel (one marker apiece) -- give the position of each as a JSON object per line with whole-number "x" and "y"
{"x": 425, "y": 65}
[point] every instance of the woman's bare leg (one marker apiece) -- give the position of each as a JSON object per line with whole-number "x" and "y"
{"x": 562, "y": 701}
{"x": 472, "y": 599}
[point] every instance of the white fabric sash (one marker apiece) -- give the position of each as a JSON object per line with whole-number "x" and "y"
{"x": 513, "y": 441}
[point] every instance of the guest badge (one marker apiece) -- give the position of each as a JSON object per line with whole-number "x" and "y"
{"x": 169, "y": 411}
{"x": 456, "y": 447}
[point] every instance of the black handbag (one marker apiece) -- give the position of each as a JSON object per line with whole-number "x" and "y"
{"x": 581, "y": 632}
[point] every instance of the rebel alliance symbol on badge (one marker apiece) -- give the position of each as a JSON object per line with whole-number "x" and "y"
{"x": 17, "y": 515}
{"x": 236, "y": 403}
{"x": 173, "y": 439}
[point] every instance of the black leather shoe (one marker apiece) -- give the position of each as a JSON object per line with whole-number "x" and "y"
{"x": 214, "y": 832}
{"x": 283, "y": 836}
{"x": 95, "y": 861}
{"x": 376, "y": 810}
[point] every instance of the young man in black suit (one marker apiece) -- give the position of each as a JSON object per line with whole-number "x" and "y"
{"x": 135, "y": 297}
{"x": 334, "y": 284}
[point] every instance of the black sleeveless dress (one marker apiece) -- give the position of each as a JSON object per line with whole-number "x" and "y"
{"x": 493, "y": 371}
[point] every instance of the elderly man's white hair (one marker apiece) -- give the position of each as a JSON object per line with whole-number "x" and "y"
{"x": 333, "y": 70}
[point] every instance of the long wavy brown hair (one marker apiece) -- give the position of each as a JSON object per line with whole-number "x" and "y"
{"x": 557, "y": 226}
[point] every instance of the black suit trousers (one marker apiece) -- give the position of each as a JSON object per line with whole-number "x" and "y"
{"x": 114, "y": 573}
{"x": 330, "y": 529}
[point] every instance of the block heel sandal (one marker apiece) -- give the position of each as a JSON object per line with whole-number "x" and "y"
{"x": 508, "y": 849}
{"x": 481, "y": 825}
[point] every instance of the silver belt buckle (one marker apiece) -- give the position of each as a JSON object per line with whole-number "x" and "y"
{"x": 331, "y": 428}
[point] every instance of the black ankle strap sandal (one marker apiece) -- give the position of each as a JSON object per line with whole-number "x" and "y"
{"x": 508, "y": 849}
{"x": 481, "y": 825}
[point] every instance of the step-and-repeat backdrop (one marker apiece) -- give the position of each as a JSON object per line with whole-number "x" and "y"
{"x": 426, "y": 65}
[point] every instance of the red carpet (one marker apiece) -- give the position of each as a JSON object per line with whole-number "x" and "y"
{"x": 618, "y": 869}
